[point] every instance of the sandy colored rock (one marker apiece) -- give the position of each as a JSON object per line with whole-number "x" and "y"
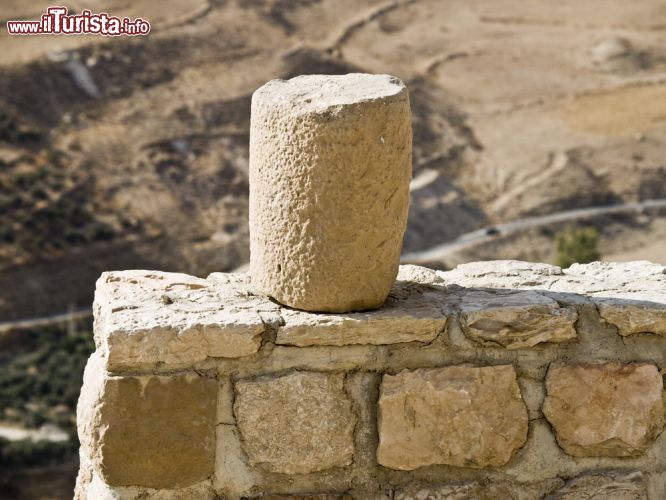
{"x": 330, "y": 165}
{"x": 152, "y": 431}
{"x": 629, "y": 295}
{"x": 476, "y": 491}
{"x": 233, "y": 477}
{"x": 296, "y": 423}
{"x": 149, "y": 317}
{"x": 516, "y": 319}
{"x": 99, "y": 490}
{"x": 458, "y": 415}
{"x": 412, "y": 313}
{"x": 609, "y": 410}
{"x": 83, "y": 478}
{"x": 322, "y": 496}
{"x": 612, "y": 485}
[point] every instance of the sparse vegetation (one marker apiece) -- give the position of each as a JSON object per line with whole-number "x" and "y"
{"x": 46, "y": 207}
{"x": 12, "y": 132}
{"x": 577, "y": 245}
{"x": 28, "y": 453}
{"x": 41, "y": 378}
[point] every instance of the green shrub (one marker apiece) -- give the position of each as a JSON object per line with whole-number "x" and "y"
{"x": 577, "y": 245}
{"x": 46, "y": 372}
{"x": 28, "y": 453}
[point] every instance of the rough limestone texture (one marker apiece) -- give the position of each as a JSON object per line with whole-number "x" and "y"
{"x": 152, "y": 431}
{"x": 458, "y": 415}
{"x": 97, "y": 489}
{"x": 205, "y": 388}
{"x": 609, "y": 410}
{"x": 412, "y": 313}
{"x": 613, "y": 485}
{"x": 629, "y": 295}
{"x": 516, "y": 319}
{"x": 322, "y": 496}
{"x": 330, "y": 166}
{"x": 476, "y": 491}
{"x": 296, "y": 423}
{"x": 150, "y": 317}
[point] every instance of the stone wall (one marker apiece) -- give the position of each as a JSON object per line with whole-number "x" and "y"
{"x": 498, "y": 380}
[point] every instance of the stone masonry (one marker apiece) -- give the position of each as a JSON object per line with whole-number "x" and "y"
{"x": 496, "y": 380}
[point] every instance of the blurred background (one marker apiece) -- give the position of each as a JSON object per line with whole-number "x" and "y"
{"x": 539, "y": 134}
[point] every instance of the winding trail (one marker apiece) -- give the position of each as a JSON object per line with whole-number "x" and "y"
{"x": 24, "y": 324}
{"x": 490, "y": 233}
{"x": 432, "y": 254}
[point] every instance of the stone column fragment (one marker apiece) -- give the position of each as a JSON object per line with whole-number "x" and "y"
{"x": 330, "y": 165}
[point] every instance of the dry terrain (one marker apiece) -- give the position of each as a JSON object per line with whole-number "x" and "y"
{"x": 124, "y": 153}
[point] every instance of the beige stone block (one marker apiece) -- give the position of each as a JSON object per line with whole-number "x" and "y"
{"x": 516, "y": 320}
{"x": 296, "y": 423}
{"x": 151, "y": 431}
{"x": 487, "y": 490}
{"x": 151, "y": 317}
{"x": 609, "y": 410}
{"x": 458, "y": 415}
{"x": 630, "y": 295}
{"x": 611, "y": 485}
{"x": 97, "y": 489}
{"x": 315, "y": 496}
{"x": 412, "y": 313}
{"x": 330, "y": 166}
{"x": 634, "y": 316}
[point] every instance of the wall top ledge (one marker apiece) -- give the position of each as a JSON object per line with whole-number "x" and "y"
{"x": 157, "y": 318}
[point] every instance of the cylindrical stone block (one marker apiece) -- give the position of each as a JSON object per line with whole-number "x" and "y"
{"x": 330, "y": 166}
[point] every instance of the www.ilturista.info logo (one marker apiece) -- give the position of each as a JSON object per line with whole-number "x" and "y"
{"x": 56, "y": 21}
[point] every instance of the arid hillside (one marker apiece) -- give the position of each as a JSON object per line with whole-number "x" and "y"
{"x": 132, "y": 152}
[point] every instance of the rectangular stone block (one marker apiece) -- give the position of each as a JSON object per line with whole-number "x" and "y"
{"x": 515, "y": 320}
{"x": 457, "y": 415}
{"x": 97, "y": 489}
{"x": 609, "y": 410}
{"x": 629, "y": 295}
{"x": 150, "y": 431}
{"x": 150, "y": 317}
{"x": 295, "y": 423}
{"x": 412, "y": 313}
{"x": 611, "y": 485}
{"x": 486, "y": 490}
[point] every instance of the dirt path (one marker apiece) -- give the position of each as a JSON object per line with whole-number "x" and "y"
{"x": 486, "y": 234}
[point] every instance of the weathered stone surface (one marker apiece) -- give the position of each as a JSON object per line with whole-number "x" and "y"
{"x": 330, "y": 165}
{"x": 458, "y": 415}
{"x": 630, "y": 295}
{"x": 152, "y": 431}
{"x": 296, "y": 423}
{"x": 516, "y": 319}
{"x": 412, "y": 313}
{"x": 233, "y": 477}
{"x": 418, "y": 274}
{"x": 615, "y": 486}
{"x": 97, "y": 489}
{"x": 512, "y": 274}
{"x": 477, "y": 491}
{"x": 612, "y": 409}
{"x": 83, "y": 478}
{"x": 321, "y": 496}
{"x": 149, "y": 317}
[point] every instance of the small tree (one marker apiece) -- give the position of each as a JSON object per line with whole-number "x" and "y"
{"x": 577, "y": 245}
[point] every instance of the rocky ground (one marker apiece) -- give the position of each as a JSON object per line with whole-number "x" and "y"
{"x": 126, "y": 153}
